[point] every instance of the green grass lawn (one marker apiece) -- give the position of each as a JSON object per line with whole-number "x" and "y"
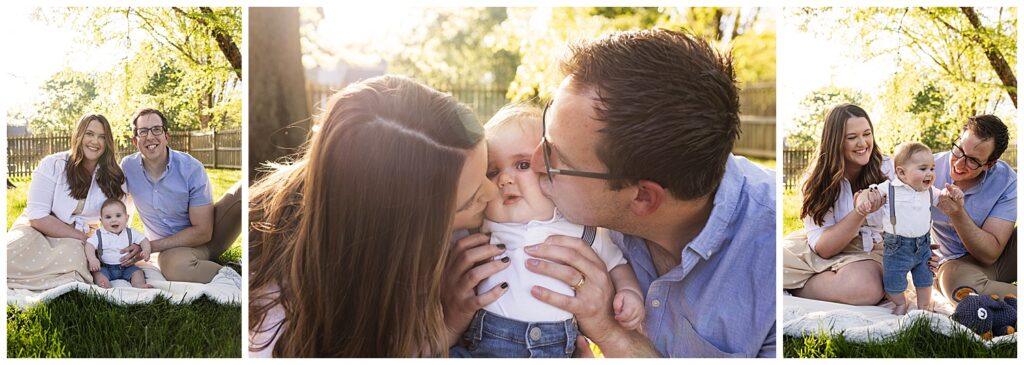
{"x": 916, "y": 341}
{"x": 791, "y": 200}
{"x": 763, "y": 162}
{"x": 80, "y": 325}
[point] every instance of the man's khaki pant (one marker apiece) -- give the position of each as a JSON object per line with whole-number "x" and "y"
{"x": 193, "y": 263}
{"x": 987, "y": 280}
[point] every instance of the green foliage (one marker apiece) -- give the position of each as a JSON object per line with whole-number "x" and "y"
{"x": 172, "y": 63}
{"x": 518, "y": 48}
{"x": 456, "y": 46}
{"x": 806, "y": 127}
{"x": 66, "y": 96}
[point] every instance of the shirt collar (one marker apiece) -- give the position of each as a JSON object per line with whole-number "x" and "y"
{"x": 727, "y": 197}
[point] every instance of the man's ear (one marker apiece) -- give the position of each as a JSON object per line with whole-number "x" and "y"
{"x": 649, "y": 197}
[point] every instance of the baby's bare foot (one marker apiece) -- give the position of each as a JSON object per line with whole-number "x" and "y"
{"x": 143, "y": 286}
{"x": 103, "y": 283}
{"x": 900, "y": 309}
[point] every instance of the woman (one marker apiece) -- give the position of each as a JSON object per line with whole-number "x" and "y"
{"x": 44, "y": 247}
{"x": 349, "y": 242}
{"x": 838, "y": 256}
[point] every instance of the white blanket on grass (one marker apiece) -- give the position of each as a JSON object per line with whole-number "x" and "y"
{"x": 225, "y": 288}
{"x": 807, "y": 317}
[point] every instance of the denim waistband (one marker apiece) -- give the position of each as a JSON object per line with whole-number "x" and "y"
{"x": 531, "y": 334}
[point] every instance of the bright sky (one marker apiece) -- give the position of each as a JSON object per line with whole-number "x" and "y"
{"x": 35, "y": 50}
{"x": 807, "y": 62}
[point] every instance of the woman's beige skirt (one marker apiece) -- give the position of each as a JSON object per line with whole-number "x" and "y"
{"x": 800, "y": 263}
{"x": 37, "y": 262}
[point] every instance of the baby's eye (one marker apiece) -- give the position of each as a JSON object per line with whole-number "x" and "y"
{"x": 492, "y": 173}
{"x": 523, "y": 165}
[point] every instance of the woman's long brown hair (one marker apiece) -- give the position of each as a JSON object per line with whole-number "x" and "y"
{"x": 354, "y": 233}
{"x": 823, "y": 183}
{"x": 109, "y": 177}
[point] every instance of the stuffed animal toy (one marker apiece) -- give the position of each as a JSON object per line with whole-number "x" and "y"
{"x": 986, "y": 316}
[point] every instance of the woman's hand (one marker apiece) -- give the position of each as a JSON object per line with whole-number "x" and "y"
{"x": 469, "y": 263}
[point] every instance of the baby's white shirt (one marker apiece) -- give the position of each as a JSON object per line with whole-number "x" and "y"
{"x": 913, "y": 210}
{"x": 518, "y": 303}
{"x": 114, "y": 243}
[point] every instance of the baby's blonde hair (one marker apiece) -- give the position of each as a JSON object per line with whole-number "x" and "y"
{"x": 906, "y": 149}
{"x": 526, "y": 116}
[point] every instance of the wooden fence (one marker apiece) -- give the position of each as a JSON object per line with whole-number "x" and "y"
{"x": 215, "y": 149}
{"x": 795, "y": 162}
{"x": 757, "y": 110}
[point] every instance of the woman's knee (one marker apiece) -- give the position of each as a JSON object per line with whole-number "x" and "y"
{"x": 863, "y": 293}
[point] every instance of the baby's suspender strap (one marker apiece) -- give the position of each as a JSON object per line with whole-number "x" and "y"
{"x": 99, "y": 240}
{"x": 892, "y": 206}
{"x": 130, "y": 237}
{"x": 589, "y": 235}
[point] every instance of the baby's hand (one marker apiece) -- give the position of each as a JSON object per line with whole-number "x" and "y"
{"x": 145, "y": 253}
{"x": 629, "y": 309}
{"x": 94, "y": 264}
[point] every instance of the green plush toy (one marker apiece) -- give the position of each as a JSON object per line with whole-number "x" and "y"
{"x": 986, "y": 316}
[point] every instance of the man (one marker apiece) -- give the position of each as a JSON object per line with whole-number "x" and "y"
{"x": 174, "y": 200}
{"x": 638, "y": 139}
{"x": 976, "y": 236}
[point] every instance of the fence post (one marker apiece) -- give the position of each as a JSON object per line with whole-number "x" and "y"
{"x": 215, "y": 150}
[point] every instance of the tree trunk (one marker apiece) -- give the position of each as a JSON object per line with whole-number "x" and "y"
{"x": 995, "y": 57}
{"x": 278, "y": 115}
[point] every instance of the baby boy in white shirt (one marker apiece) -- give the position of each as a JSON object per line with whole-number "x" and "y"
{"x": 109, "y": 240}
{"x": 517, "y": 324}
{"x": 907, "y": 224}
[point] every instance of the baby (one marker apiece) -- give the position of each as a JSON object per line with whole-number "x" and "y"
{"x": 907, "y": 223}
{"x": 517, "y": 324}
{"x": 109, "y": 241}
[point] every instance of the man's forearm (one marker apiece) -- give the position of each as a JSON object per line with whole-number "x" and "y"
{"x": 626, "y": 343}
{"x": 982, "y": 245}
{"x": 188, "y": 237}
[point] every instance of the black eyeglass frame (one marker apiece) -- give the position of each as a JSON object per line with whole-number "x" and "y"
{"x": 153, "y": 130}
{"x": 970, "y": 159}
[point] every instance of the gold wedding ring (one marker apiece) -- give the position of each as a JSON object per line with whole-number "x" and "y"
{"x": 577, "y": 286}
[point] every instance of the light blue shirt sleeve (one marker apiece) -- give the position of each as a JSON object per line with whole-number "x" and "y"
{"x": 1006, "y": 206}
{"x": 200, "y": 191}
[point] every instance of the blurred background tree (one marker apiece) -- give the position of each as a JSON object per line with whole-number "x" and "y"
{"x": 183, "y": 61}
{"x": 488, "y": 57}
{"x": 944, "y": 65}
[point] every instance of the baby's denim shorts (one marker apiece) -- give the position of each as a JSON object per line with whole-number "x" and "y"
{"x": 902, "y": 255}
{"x": 491, "y": 335}
{"x": 114, "y": 272}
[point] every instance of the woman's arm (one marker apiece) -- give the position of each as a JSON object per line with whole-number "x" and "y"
{"x": 469, "y": 263}
{"x": 50, "y": 226}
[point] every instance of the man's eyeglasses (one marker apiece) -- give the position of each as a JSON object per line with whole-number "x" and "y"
{"x": 972, "y": 163}
{"x": 142, "y": 132}
{"x": 547, "y": 155}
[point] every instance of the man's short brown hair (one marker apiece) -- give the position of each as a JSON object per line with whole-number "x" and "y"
{"x": 144, "y": 111}
{"x": 669, "y": 103}
{"x": 986, "y": 127}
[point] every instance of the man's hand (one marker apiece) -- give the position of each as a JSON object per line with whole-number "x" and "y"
{"x": 947, "y": 204}
{"x": 933, "y": 261}
{"x": 469, "y": 263}
{"x": 131, "y": 254}
{"x": 573, "y": 262}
